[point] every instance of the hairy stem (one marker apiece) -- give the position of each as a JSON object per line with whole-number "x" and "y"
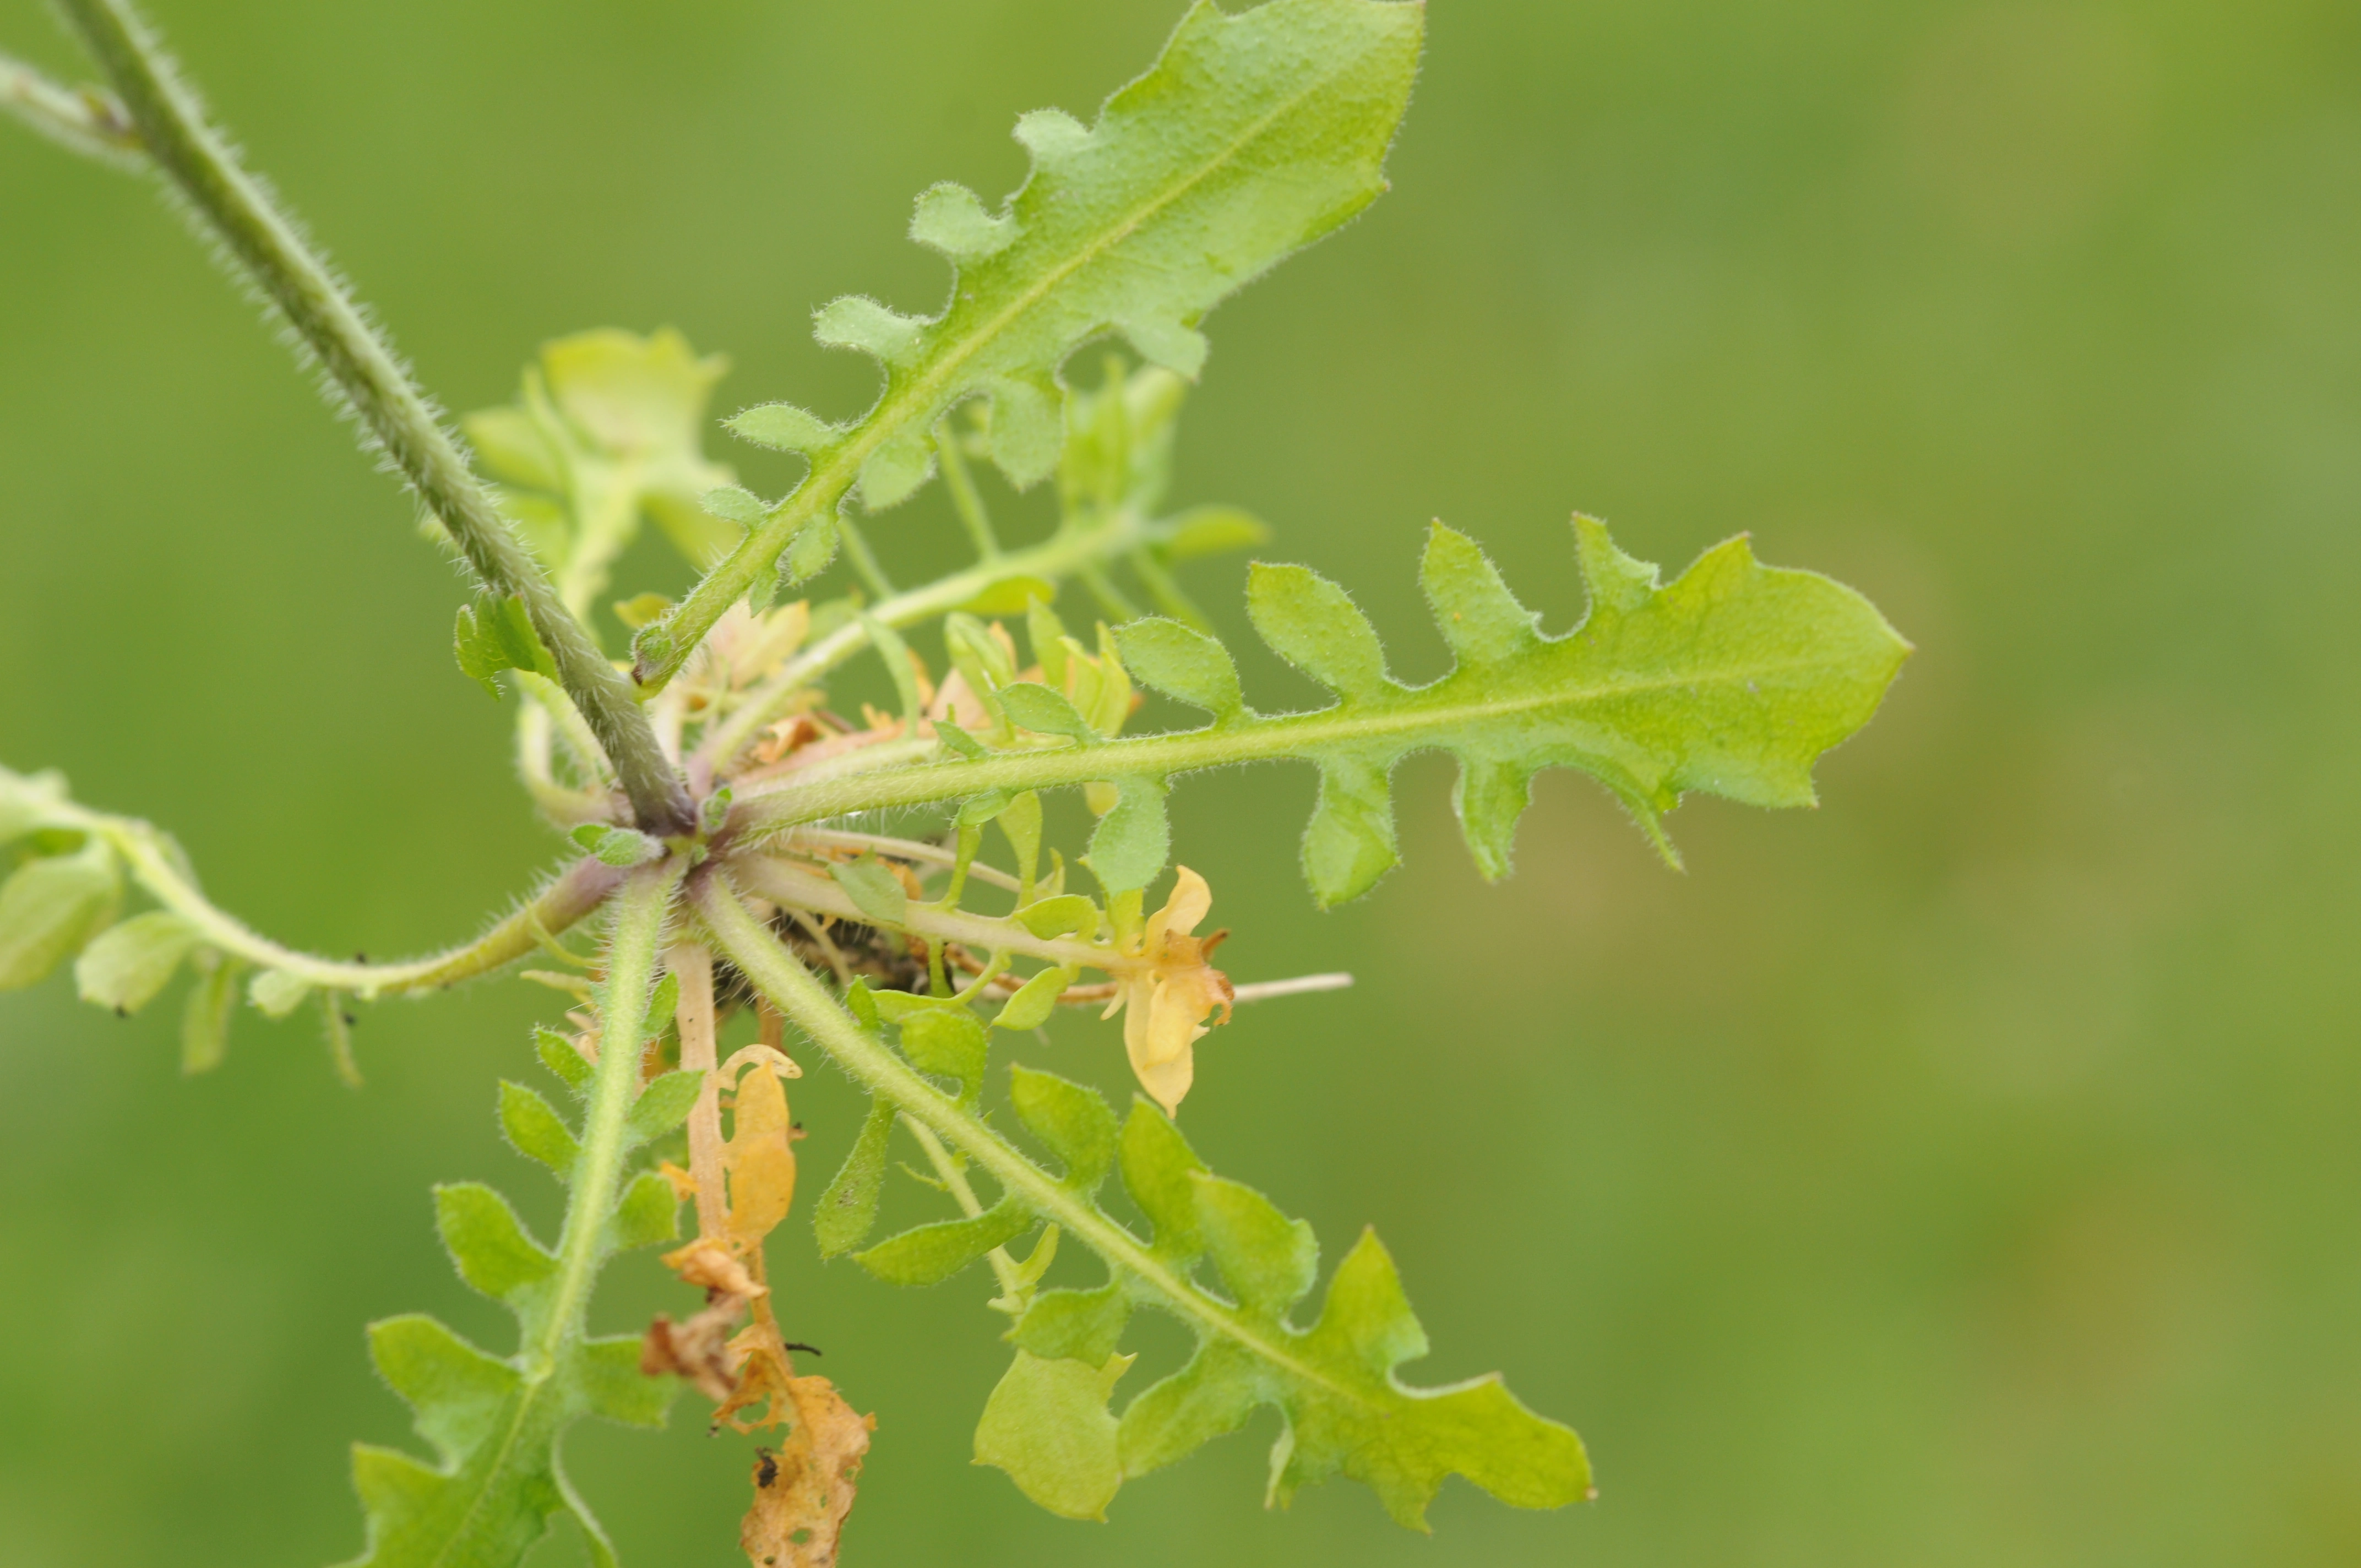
{"x": 789, "y": 987}
{"x": 84, "y": 119}
{"x": 955, "y": 1178}
{"x": 794, "y": 887}
{"x": 156, "y": 863}
{"x": 634, "y": 937}
{"x": 395, "y": 414}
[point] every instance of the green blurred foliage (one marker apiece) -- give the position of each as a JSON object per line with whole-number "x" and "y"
{"x": 1964, "y": 1173}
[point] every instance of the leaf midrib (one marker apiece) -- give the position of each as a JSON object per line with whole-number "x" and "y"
{"x": 1254, "y": 738}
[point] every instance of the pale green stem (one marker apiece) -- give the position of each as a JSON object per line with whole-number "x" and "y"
{"x": 561, "y": 803}
{"x": 84, "y": 119}
{"x": 636, "y": 935}
{"x": 863, "y": 559}
{"x": 393, "y": 412}
{"x": 903, "y": 848}
{"x": 1055, "y": 557}
{"x": 602, "y": 527}
{"x": 792, "y": 885}
{"x": 1403, "y": 722}
{"x": 1111, "y": 598}
{"x": 966, "y": 499}
{"x": 581, "y": 745}
{"x": 793, "y": 989}
{"x": 157, "y": 866}
{"x": 1166, "y": 591}
{"x": 955, "y": 1178}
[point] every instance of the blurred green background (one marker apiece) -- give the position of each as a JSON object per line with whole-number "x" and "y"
{"x": 1964, "y": 1173}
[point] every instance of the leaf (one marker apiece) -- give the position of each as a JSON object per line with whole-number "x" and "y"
{"x": 1035, "y": 707}
{"x": 1030, "y": 1005}
{"x": 495, "y": 635}
{"x": 847, "y": 1212}
{"x": 1072, "y": 1121}
{"x": 1065, "y": 913}
{"x": 735, "y": 504}
{"x": 1075, "y": 1325}
{"x": 1182, "y": 663}
{"x": 713, "y": 812}
{"x": 760, "y": 1157}
{"x": 1133, "y": 841}
{"x": 663, "y": 1105}
{"x": 1210, "y": 531}
{"x": 1310, "y": 622}
{"x": 30, "y": 803}
{"x": 803, "y": 1493}
{"x": 930, "y": 1254}
{"x": 623, "y": 847}
{"x": 494, "y": 1424}
{"x": 647, "y": 1214}
{"x": 1047, "y": 1425}
{"x": 487, "y": 1243}
{"x": 497, "y": 1483}
{"x": 126, "y": 967}
{"x": 611, "y": 421}
{"x": 276, "y": 994}
{"x": 558, "y": 1054}
{"x": 874, "y": 890}
{"x": 1009, "y": 596}
{"x": 1335, "y": 1383}
{"x": 536, "y": 1131}
{"x": 1252, "y": 136}
{"x": 204, "y": 1017}
{"x": 50, "y": 907}
{"x": 947, "y": 1040}
{"x": 1731, "y": 679}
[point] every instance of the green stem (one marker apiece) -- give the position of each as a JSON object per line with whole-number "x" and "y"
{"x": 793, "y": 989}
{"x": 85, "y": 120}
{"x": 863, "y": 559}
{"x": 1379, "y": 729}
{"x": 157, "y": 866}
{"x": 966, "y": 499}
{"x": 796, "y": 888}
{"x": 1055, "y": 557}
{"x": 636, "y": 935}
{"x": 954, "y": 1179}
{"x": 392, "y": 410}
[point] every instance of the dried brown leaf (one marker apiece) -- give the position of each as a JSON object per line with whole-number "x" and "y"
{"x": 803, "y": 1491}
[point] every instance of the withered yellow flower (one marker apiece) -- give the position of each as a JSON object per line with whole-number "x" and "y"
{"x": 1166, "y": 998}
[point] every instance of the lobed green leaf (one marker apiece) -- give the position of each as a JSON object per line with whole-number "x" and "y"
{"x": 1732, "y": 679}
{"x": 1254, "y": 136}
{"x": 929, "y": 1255}
{"x": 847, "y": 1211}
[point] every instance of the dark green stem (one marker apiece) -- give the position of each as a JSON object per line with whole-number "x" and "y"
{"x": 392, "y": 410}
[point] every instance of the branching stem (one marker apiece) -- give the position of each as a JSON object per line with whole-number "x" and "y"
{"x": 395, "y": 414}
